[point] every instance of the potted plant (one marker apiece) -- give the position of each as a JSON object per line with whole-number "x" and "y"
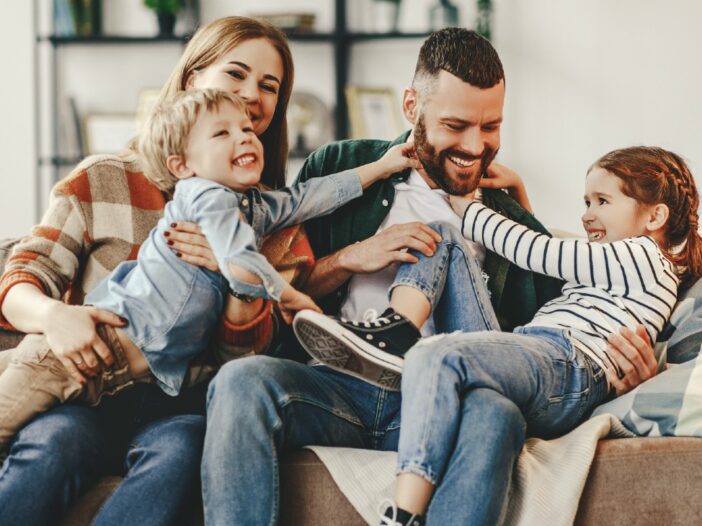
{"x": 166, "y": 11}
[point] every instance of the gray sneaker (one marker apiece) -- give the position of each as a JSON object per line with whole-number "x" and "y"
{"x": 371, "y": 350}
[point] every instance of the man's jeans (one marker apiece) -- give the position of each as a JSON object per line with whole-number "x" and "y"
{"x": 469, "y": 400}
{"x": 259, "y": 407}
{"x": 62, "y": 453}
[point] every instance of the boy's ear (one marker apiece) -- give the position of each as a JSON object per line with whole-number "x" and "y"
{"x": 177, "y": 166}
{"x": 410, "y": 105}
{"x": 657, "y": 217}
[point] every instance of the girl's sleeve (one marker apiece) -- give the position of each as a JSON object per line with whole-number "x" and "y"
{"x": 630, "y": 263}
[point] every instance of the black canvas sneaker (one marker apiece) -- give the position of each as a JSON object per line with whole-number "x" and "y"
{"x": 394, "y": 516}
{"x": 371, "y": 350}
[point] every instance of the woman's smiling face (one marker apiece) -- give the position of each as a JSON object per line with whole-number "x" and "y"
{"x": 254, "y": 71}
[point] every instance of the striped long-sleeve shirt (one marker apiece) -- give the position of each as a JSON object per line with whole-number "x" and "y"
{"x": 608, "y": 285}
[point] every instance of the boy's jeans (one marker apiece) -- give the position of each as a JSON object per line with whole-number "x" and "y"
{"x": 35, "y": 381}
{"x": 470, "y": 398}
{"x": 452, "y": 281}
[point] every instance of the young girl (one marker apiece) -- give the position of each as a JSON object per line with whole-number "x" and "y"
{"x": 205, "y": 141}
{"x": 470, "y": 399}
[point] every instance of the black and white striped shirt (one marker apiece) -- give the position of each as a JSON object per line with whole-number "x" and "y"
{"x": 608, "y": 285}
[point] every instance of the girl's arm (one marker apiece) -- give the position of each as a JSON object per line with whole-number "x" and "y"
{"x": 622, "y": 264}
{"x": 501, "y": 177}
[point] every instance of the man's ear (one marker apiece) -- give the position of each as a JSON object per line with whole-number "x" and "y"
{"x": 410, "y": 105}
{"x": 657, "y": 217}
{"x": 177, "y": 166}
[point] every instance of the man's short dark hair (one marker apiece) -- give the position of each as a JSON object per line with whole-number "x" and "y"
{"x": 461, "y": 52}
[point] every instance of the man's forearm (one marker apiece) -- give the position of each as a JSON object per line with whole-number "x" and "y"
{"x": 327, "y": 276}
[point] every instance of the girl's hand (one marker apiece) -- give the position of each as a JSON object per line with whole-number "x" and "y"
{"x": 633, "y": 353}
{"x": 501, "y": 177}
{"x": 71, "y": 334}
{"x": 292, "y": 300}
{"x": 190, "y": 244}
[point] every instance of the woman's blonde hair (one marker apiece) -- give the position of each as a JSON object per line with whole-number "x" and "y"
{"x": 167, "y": 129}
{"x": 213, "y": 41}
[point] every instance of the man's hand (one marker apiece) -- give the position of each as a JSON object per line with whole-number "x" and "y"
{"x": 292, "y": 300}
{"x": 71, "y": 334}
{"x": 633, "y": 353}
{"x": 187, "y": 240}
{"x": 389, "y": 246}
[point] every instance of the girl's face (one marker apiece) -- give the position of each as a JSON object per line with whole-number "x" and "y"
{"x": 254, "y": 71}
{"x": 610, "y": 215}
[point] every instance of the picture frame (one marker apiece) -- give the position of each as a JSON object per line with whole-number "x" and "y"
{"x": 108, "y": 132}
{"x": 373, "y": 112}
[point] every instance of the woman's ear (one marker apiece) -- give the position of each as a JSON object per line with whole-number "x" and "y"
{"x": 410, "y": 105}
{"x": 657, "y": 217}
{"x": 177, "y": 166}
{"x": 190, "y": 81}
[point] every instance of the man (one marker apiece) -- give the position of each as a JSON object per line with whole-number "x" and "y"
{"x": 260, "y": 407}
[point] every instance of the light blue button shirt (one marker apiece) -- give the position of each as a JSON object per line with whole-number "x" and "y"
{"x": 172, "y": 307}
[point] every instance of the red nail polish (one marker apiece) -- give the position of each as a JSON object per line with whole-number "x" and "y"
{"x": 178, "y": 254}
{"x": 166, "y": 233}
{"x": 169, "y": 242}
{"x": 173, "y": 225}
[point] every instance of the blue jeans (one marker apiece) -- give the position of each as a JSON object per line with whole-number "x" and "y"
{"x": 469, "y": 401}
{"x": 62, "y": 453}
{"x": 452, "y": 281}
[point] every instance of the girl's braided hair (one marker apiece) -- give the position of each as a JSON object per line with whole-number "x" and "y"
{"x": 653, "y": 175}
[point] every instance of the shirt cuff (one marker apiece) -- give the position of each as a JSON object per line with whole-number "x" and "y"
{"x": 250, "y": 334}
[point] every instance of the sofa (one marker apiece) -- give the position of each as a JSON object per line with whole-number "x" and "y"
{"x": 638, "y": 481}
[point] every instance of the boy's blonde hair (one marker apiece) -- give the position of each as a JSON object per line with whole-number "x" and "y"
{"x": 167, "y": 129}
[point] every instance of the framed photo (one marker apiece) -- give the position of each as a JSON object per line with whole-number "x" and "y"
{"x": 147, "y": 99}
{"x": 373, "y": 113}
{"x": 108, "y": 132}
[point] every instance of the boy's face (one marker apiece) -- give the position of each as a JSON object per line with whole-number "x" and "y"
{"x": 610, "y": 215}
{"x": 223, "y": 147}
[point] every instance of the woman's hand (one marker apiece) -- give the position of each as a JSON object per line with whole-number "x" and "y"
{"x": 70, "y": 331}
{"x": 499, "y": 176}
{"x": 190, "y": 244}
{"x": 292, "y": 300}
{"x": 633, "y": 353}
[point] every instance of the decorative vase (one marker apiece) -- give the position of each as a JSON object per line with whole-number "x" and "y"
{"x": 444, "y": 14}
{"x": 166, "y": 23}
{"x": 386, "y": 15}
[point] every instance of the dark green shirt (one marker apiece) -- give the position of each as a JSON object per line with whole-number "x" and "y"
{"x": 516, "y": 294}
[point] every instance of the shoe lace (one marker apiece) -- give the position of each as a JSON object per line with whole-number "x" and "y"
{"x": 371, "y": 317}
{"x": 383, "y": 507}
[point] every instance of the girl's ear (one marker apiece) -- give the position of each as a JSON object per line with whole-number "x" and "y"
{"x": 657, "y": 217}
{"x": 177, "y": 166}
{"x": 410, "y": 105}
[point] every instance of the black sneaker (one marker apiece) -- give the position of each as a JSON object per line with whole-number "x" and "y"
{"x": 371, "y": 350}
{"x": 394, "y": 516}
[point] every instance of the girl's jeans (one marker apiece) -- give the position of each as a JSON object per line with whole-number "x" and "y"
{"x": 468, "y": 401}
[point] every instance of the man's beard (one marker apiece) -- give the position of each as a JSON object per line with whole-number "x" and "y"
{"x": 435, "y": 163}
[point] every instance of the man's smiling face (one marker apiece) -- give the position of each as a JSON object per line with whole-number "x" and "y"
{"x": 457, "y": 132}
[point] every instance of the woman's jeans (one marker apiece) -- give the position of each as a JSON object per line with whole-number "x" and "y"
{"x": 469, "y": 400}
{"x": 259, "y": 407}
{"x": 142, "y": 434}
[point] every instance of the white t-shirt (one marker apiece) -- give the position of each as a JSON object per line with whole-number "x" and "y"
{"x": 414, "y": 201}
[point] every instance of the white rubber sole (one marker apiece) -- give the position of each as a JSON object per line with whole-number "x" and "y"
{"x": 340, "y": 349}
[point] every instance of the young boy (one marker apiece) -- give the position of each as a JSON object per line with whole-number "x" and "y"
{"x": 204, "y": 141}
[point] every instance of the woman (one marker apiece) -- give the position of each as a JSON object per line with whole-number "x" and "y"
{"x": 98, "y": 217}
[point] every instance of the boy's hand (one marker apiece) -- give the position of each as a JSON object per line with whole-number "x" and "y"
{"x": 292, "y": 300}
{"x": 398, "y": 158}
{"x": 459, "y": 203}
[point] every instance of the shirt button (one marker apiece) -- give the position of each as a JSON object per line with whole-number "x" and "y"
{"x": 244, "y": 202}
{"x": 385, "y": 202}
{"x": 271, "y": 289}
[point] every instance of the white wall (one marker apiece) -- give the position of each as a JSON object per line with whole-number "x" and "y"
{"x": 583, "y": 77}
{"x": 17, "y": 188}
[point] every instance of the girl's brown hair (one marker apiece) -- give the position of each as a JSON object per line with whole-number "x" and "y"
{"x": 213, "y": 41}
{"x": 651, "y": 176}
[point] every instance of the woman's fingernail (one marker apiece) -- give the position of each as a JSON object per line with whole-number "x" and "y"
{"x": 173, "y": 225}
{"x": 169, "y": 242}
{"x": 178, "y": 254}
{"x": 166, "y": 233}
